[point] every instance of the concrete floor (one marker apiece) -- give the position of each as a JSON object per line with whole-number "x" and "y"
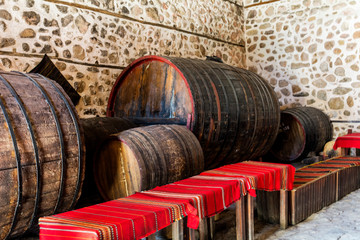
{"x": 340, "y": 220}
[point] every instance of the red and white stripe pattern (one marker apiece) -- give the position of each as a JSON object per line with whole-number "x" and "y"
{"x": 142, "y": 214}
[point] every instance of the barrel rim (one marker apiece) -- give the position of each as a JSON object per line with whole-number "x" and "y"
{"x": 304, "y": 141}
{"x": 113, "y": 137}
{"x": 127, "y": 70}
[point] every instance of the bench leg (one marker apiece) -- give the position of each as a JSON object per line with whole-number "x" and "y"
{"x": 250, "y": 216}
{"x": 177, "y": 230}
{"x": 343, "y": 151}
{"x": 284, "y": 213}
{"x": 292, "y": 207}
{"x": 203, "y": 229}
{"x": 337, "y": 187}
{"x": 212, "y": 227}
{"x": 240, "y": 219}
{"x": 192, "y": 234}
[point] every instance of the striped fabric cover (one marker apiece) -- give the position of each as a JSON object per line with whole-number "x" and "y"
{"x": 317, "y": 170}
{"x": 142, "y": 214}
{"x": 262, "y": 175}
{"x": 208, "y": 195}
{"x": 134, "y": 217}
{"x": 351, "y": 140}
{"x": 353, "y": 161}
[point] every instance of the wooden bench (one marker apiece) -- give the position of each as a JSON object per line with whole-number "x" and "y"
{"x": 137, "y": 216}
{"x": 319, "y": 185}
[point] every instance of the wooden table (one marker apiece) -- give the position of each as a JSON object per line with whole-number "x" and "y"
{"x": 351, "y": 140}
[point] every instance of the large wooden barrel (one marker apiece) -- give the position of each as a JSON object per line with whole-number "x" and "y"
{"x": 96, "y": 131}
{"x": 145, "y": 157}
{"x": 42, "y": 155}
{"x": 233, "y": 112}
{"x": 302, "y": 130}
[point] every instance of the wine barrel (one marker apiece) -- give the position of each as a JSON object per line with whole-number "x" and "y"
{"x": 96, "y": 131}
{"x": 42, "y": 155}
{"x": 145, "y": 157}
{"x": 302, "y": 130}
{"x": 233, "y": 112}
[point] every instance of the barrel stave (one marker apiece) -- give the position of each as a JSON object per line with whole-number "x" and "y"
{"x": 32, "y": 89}
{"x": 234, "y": 113}
{"x": 146, "y": 157}
{"x": 303, "y": 130}
{"x": 96, "y": 131}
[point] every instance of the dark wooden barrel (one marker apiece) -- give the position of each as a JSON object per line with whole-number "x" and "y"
{"x": 145, "y": 157}
{"x": 233, "y": 112}
{"x": 42, "y": 155}
{"x": 302, "y": 130}
{"x": 96, "y": 131}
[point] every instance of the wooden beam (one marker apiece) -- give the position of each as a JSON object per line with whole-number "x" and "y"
{"x": 240, "y": 219}
{"x": 177, "y": 230}
{"x": 203, "y": 229}
{"x": 250, "y": 216}
{"x": 284, "y": 212}
{"x": 40, "y": 56}
{"x": 211, "y": 227}
{"x": 191, "y": 234}
{"x": 293, "y": 207}
{"x": 343, "y": 151}
{"x": 337, "y": 187}
{"x": 261, "y": 3}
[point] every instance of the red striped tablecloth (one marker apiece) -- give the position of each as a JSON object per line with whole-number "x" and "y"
{"x": 262, "y": 175}
{"x": 351, "y": 140}
{"x": 142, "y": 214}
{"x": 133, "y": 217}
{"x": 209, "y": 195}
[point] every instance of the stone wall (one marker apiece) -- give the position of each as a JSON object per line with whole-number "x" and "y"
{"x": 309, "y": 51}
{"x": 92, "y": 41}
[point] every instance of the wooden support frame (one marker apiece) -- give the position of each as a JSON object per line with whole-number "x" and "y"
{"x": 244, "y": 209}
{"x": 292, "y": 207}
{"x": 343, "y": 151}
{"x": 284, "y": 209}
{"x": 211, "y": 227}
{"x": 191, "y": 234}
{"x": 177, "y": 230}
{"x": 240, "y": 219}
{"x": 337, "y": 187}
{"x": 322, "y": 192}
{"x": 244, "y": 222}
{"x": 203, "y": 229}
{"x": 250, "y": 217}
